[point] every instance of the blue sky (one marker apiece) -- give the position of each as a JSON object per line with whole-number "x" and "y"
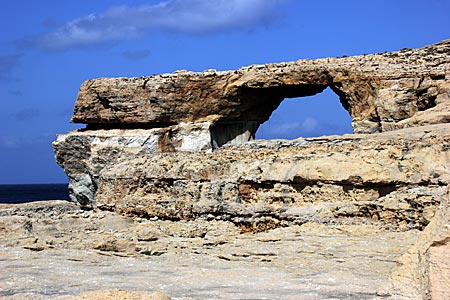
{"x": 49, "y": 47}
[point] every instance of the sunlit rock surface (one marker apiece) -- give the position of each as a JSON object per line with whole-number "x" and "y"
{"x": 396, "y": 177}
{"x": 171, "y": 194}
{"x": 176, "y": 148}
{"x": 55, "y": 250}
{"x": 382, "y": 92}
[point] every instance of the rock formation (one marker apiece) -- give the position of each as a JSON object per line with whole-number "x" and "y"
{"x": 178, "y": 147}
{"x": 382, "y": 92}
{"x": 424, "y": 270}
{"x": 396, "y": 177}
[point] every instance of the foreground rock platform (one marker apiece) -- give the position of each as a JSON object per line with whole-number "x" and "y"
{"x": 54, "y": 250}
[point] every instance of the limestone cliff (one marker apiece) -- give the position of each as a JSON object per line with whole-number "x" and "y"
{"x": 177, "y": 146}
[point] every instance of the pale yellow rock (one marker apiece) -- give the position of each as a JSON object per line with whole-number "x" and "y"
{"x": 395, "y": 177}
{"x": 171, "y": 154}
{"x": 424, "y": 271}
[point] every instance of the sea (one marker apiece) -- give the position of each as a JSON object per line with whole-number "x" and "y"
{"x": 22, "y": 193}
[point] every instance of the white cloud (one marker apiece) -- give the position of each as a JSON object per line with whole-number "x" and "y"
{"x": 180, "y": 16}
{"x": 309, "y": 127}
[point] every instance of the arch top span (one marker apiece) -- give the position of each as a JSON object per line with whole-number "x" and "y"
{"x": 381, "y": 92}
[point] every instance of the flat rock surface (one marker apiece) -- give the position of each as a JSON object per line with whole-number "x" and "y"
{"x": 43, "y": 255}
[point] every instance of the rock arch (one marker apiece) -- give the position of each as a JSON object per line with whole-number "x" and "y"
{"x": 382, "y": 92}
{"x": 397, "y": 178}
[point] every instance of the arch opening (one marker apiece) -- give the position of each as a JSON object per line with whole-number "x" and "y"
{"x": 309, "y": 116}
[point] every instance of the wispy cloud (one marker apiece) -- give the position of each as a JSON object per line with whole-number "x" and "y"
{"x": 7, "y": 63}
{"x": 136, "y": 55}
{"x": 308, "y": 127}
{"x": 290, "y": 130}
{"x": 179, "y": 16}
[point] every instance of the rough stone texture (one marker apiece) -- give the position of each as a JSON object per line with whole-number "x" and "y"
{"x": 381, "y": 92}
{"x": 55, "y": 250}
{"x": 166, "y": 171}
{"x": 120, "y": 294}
{"x": 395, "y": 177}
{"x": 424, "y": 270}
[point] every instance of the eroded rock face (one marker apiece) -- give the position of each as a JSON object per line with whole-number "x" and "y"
{"x": 54, "y": 250}
{"x": 175, "y": 147}
{"x": 382, "y": 92}
{"x": 395, "y": 177}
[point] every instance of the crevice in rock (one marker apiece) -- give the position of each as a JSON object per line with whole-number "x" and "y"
{"x": 232, "y": 133}
{"x": 437, "y": 76}
{"x": 425, "y": 103}
{"x": 104, "y": 100}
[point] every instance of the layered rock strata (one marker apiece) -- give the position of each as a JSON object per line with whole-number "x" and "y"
{"x": 54, "y": 250}
{"x": 177, "y": 147}
{"x": 140, "y": 118}
{"x": 396, "y": 177}
{"x": 45, "y": 245}
{"x": 424, "y": 270}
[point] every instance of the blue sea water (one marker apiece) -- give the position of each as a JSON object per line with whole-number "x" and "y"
{"x": 21, "y": 193}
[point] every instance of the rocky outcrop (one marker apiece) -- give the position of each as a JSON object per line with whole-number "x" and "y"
{"x": 119, "y": 294}
{"x": 176, "y": 148}
{"x": 395, "y": 177}
{"x": 382, "y": 92}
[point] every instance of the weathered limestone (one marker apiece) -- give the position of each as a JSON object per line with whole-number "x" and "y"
{"x": 55, "y": 251}
{"x": 424, "y": 270}
{"x": 382, "y": 92}
{"x": 176, "y": 147}
{"x": 395, "y": 177}
{"x": 119, "y": 294}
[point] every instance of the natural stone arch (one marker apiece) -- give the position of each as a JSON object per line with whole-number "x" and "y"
{"x": 397, "y": 177}
{"x": 382, "y": 92}
{"x": 264, "y": 102}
